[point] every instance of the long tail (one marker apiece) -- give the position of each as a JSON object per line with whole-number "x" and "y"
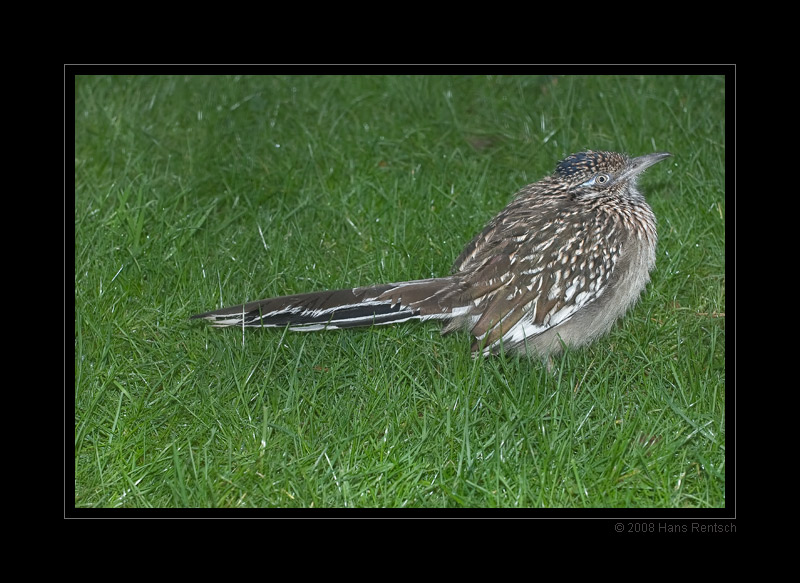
{"x": 422, "y": 299}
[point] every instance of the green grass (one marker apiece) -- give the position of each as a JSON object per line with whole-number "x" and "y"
{"x": 196, "y": 192}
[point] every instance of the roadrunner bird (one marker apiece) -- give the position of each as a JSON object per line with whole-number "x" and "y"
{"x": 558, "y": 266}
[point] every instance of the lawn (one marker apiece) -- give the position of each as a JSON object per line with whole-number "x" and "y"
{"x": 199, "y": 192}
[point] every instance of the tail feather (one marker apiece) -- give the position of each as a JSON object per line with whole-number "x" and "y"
{"x": 346, "y": 308}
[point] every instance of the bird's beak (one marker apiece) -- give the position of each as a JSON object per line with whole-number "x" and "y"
{"x": 642, "y": 163}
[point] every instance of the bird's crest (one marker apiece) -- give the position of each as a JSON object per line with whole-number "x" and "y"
{"x": 587, "y": 164}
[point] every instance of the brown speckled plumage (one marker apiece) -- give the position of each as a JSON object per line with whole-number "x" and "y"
{"x": 560, "y": 264}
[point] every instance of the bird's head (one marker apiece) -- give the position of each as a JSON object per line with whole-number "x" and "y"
{"x": 597, "y": 172}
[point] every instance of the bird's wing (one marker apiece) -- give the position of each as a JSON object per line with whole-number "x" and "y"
{"x": 542, "y": 279}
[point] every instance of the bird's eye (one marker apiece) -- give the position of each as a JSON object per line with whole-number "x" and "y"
{"x": 597, "y": 180}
